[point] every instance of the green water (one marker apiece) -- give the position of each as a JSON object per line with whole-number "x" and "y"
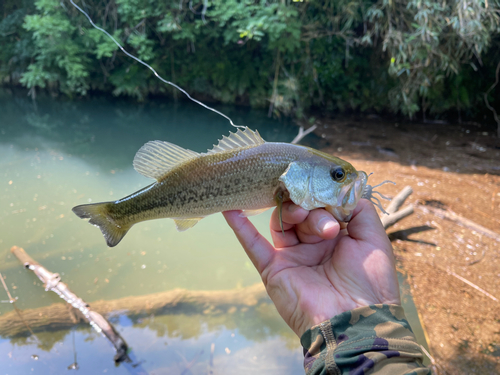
{"x": 60, "y": 154}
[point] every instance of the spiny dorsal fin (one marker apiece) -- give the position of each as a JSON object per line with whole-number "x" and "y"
{"x": 156, "y": 158}
{"x": 239, "y": 139}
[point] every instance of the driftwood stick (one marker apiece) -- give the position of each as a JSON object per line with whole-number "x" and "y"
{"x": 393, "y": 215}
{"x": 393, "y": 218}
{"x": 453, "y": 217}
{"x": 52, "y": 282}
{"x": 399, "y": 199}
{"x": 303, "y": 133}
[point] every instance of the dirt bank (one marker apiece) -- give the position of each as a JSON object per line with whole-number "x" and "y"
{"x": 455, "y": 168}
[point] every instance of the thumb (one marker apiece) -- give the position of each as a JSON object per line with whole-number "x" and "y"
{"x": 365, "y": 224}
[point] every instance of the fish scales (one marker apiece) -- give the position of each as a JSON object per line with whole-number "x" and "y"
{"x": 241, "y": 179}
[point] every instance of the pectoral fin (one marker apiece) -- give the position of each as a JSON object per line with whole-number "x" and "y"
{"x": 185, "y": 224}
{"x": 279, "y": 202}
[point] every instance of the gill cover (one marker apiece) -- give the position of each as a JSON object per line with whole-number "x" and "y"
{"x": 312, "y": 186}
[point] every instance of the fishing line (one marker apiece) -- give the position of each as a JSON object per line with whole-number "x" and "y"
{"x": 154, "y": 71}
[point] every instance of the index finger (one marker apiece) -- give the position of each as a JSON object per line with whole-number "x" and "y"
{"x": 258, "y": 249}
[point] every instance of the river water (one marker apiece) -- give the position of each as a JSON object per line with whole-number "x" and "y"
{"x": 58, "y": 154}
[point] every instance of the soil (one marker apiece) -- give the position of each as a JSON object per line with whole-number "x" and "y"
{"x": 455, "y": 168}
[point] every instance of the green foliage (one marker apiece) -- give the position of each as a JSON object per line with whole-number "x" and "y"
{"x": 58, "y": 51}
{"x": 430, "y": 41}
{"x": 17, "y": 45}
{"x": 337, "y": 55}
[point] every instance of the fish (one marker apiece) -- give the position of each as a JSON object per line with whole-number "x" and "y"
{"x": 242, "y": 172}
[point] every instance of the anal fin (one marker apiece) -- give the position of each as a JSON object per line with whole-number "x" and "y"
{"x": 246, "y": 213}
{"x": 185, "y": 224}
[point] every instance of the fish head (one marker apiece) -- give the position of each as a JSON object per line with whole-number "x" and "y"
{"x": 322, "y": 180}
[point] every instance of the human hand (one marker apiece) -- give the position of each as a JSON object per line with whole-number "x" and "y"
{"x": 317, "y": 271}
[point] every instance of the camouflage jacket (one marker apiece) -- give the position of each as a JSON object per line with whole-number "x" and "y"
{"x": 374, "y": 339}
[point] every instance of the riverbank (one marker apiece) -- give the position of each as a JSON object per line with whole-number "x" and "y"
{"x": 455, "y": 168}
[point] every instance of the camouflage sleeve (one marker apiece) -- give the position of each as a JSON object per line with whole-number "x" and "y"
{"x": 374, "y": 339}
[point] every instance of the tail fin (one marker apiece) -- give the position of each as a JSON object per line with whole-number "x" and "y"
{"x": 99, "y": 216}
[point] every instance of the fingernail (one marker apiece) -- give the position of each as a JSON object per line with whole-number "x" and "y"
{"x": 325, "y": 224}
{"x": 293, "y": 207}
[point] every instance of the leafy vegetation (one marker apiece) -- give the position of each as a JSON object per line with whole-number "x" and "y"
{"x": 409, "y": 57}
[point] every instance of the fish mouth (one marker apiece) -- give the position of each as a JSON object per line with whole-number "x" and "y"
{"x": 350, "y": 194}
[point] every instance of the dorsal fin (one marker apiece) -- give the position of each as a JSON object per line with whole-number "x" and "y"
{"x": 239, "y": 139}
{"x": 156, "y": 158}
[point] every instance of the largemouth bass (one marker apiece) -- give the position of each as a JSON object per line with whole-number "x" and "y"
{"x": 243, "y": 172}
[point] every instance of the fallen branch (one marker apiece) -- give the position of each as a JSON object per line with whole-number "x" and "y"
{"x": 393, "y": 207}
{"x": 303, "y": 133}
{"x": 453, "y": 217}
{"x": 52, "y": 282}
{"x": 472, "y": 285}
{"x": 399, "y": 199}
{"x": 393, "y": 218}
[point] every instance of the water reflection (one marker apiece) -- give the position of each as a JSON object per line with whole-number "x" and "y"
{"x": 245, "y": 341}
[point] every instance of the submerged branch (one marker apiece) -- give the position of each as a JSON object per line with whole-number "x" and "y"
{"x": 52, "y": 282}
{"x": 56, "y": 315}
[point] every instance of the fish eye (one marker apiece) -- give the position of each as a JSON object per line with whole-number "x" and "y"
{"x": 338, "y": 174}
